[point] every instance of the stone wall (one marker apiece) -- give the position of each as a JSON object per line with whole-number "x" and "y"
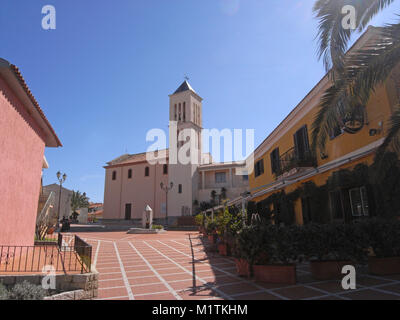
{"x": 72, "y": 286}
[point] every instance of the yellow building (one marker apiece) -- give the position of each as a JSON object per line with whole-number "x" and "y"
{"x": 288, "y": 174}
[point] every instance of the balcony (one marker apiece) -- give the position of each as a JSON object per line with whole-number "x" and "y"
{"x": 291, "y": 162}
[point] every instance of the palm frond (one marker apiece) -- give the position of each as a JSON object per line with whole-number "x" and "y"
{"x": 370, "y": 12}
{"x": 363, "y": 71}
{"x": 332, "y": 37}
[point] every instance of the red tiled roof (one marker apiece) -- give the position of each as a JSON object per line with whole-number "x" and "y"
{"x": 132, "y": 158}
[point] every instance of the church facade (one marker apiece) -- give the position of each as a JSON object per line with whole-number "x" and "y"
{"x": 171, "y": 188}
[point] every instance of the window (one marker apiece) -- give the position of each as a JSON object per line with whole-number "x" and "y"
{"x": 259, "y": 168}
{"x": 220, "y": 177}
{"x": 146, "y": 171}
{"x": 275, "y": 161}
{"x": 130, "y": 174}
{"x": 175, "y": 112}
{"x": 184, "y": 112}
{"x": 359, "y": 202}
{"x": 335, "y": 198}
{"x": 245, "y": 177}
{"x": 301, "y": 144}
{"x": 114, "y": 175}
{"x": 165, "y": 169}
{"x": 180, "y": 188}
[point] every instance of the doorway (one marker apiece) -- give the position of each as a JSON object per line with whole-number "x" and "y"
{"x": 128, "y": 211}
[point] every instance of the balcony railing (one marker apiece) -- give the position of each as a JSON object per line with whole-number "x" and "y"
{"x": 290, "y": 160}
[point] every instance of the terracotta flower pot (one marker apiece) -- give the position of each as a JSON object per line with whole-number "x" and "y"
{"x": 327, "y": 270}
{"x": 223, "y": 249}
{"x": 212, "y": 238}
{"x": 384, "y": 266}
{"x": 243, "y": 268}
{"x": 50, "y": 231}
{"x": 285, "y": 274}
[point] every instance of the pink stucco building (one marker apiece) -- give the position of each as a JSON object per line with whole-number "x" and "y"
{"x": 24, "y": 134}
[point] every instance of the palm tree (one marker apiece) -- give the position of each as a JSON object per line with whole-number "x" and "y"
{"x": 79, "y": 200}
{"x": 355, "y": 75}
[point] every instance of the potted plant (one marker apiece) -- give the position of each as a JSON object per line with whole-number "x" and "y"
{"x": 199, "y": 219}
{"x": 223, "y": 221}
{"x": 330, "y": 247}
{"x": 383, "y": 237}
{"x": 247, "y": 248}
{"x": 280, "y": 251}
{"x": 212, "y": 231}
{"x": 234, "y": 225}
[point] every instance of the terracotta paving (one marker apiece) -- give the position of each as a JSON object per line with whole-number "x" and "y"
{"x": 179, "y": 266}
{"x": 31, "y": 260}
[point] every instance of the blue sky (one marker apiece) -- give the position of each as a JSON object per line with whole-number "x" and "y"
{"x": 104, "y": 75}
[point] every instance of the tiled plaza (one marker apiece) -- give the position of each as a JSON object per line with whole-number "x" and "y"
{"x": 180, "y": 265}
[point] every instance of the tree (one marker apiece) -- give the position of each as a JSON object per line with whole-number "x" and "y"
{"x": 223, "y": 194}
{"x": 79, "y": 200}
{"x": 356, "y": 75}
{"x": 213, "y": 198}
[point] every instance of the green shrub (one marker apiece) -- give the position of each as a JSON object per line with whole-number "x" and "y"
{"x": 3, "y": 292}
{"x": 157, "y": 227}
{"x": 382, "y": 235}
{"x": 282, "y": 244}
{"x": 332, "y": 242}
{"x": 199, "y": 219}
{"x": 210, "y": 225}
{"x": 26, "y": 291}
{"x": 249, "y": 244}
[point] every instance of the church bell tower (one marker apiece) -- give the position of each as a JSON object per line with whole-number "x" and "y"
{"x": 185, "y": 115}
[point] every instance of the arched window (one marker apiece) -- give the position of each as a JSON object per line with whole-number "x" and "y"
{"x": 184, "y": 112}
{"x": 114, "y": 175}
{"x": 180, "y": 188}
{"x": 165, "y": 169}
{"x": 146, "y": 171}
{"x": 130, "y": 174}
{"x": 175, "y": 112}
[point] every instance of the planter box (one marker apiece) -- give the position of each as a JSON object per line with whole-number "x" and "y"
{"x": 243, "y": 268}
{"x": 212, "y": 238}
{"x": 224, "y": 249}
{"x": 384, "y": 266}
{"x": 275, "y": 273}
{"x": 328, "y": 270}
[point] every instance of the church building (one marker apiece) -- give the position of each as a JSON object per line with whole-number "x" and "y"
{"x": 171, "y": 188}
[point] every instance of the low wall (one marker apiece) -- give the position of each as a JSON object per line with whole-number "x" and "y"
{"x": 186, "y": 221}
{"x": 83, "y": 286}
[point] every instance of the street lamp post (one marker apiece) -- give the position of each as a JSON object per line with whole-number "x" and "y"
{"x": 166, "y": 188}
{"x": 61, "y": 180}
